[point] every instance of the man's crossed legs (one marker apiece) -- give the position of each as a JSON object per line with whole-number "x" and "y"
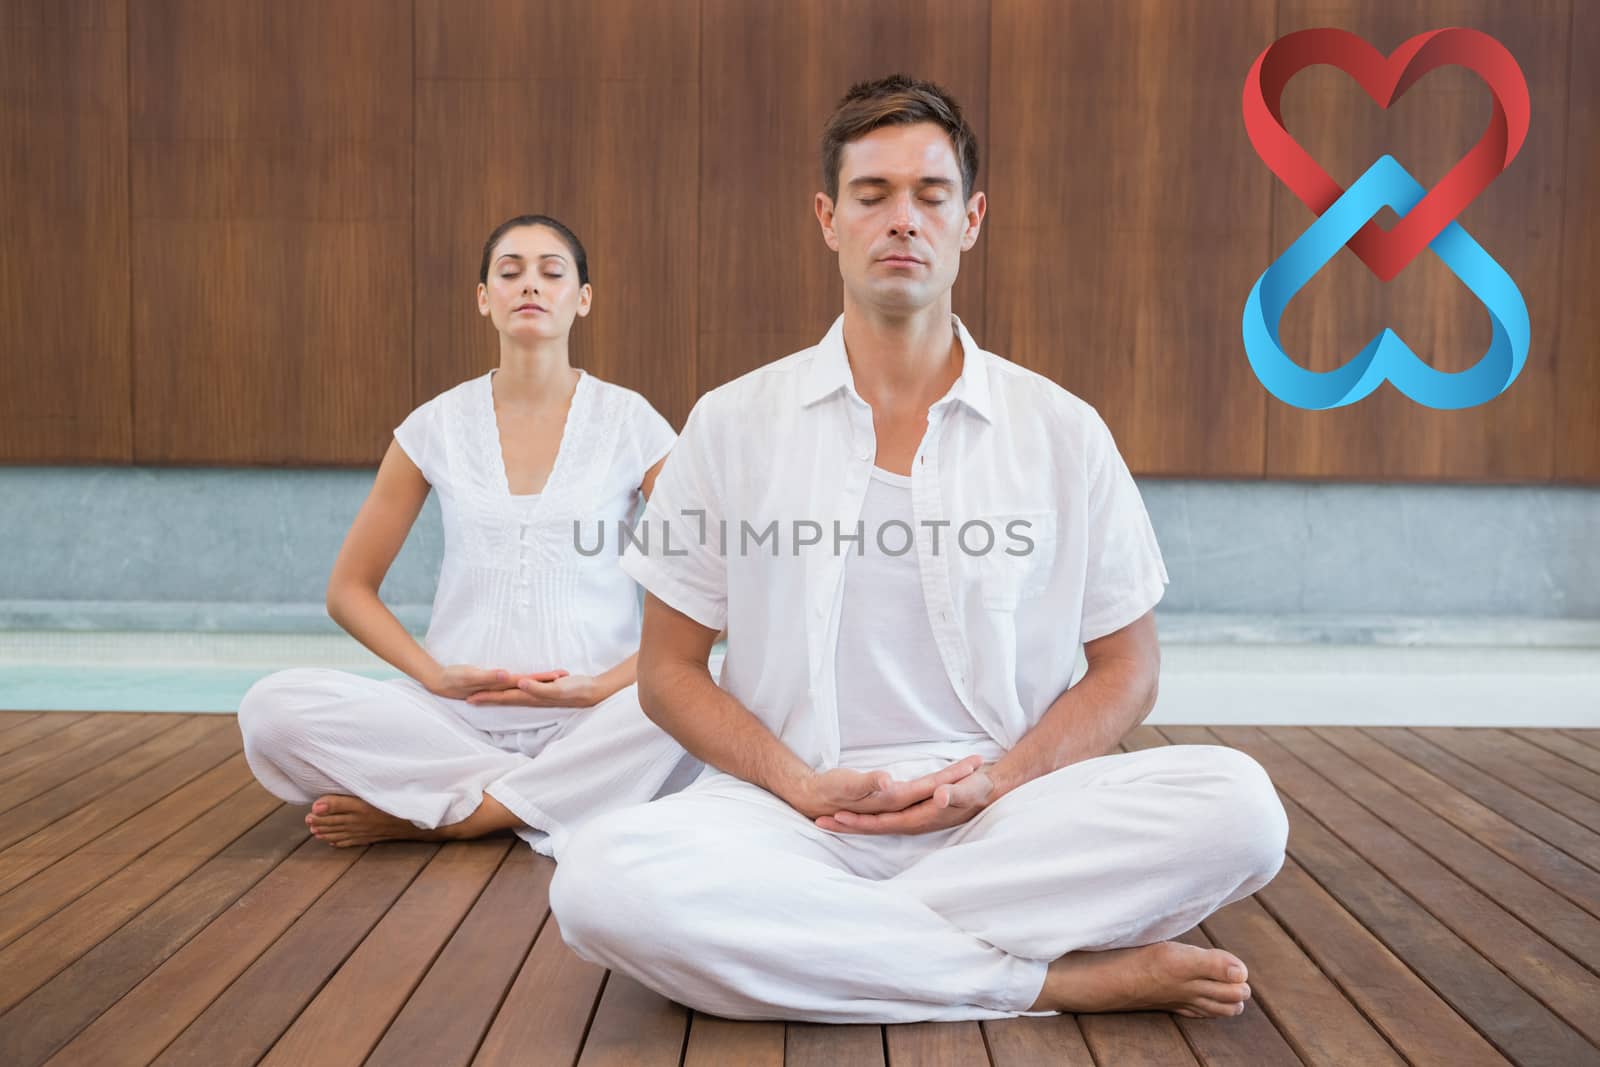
{"x": 726, "y": 899}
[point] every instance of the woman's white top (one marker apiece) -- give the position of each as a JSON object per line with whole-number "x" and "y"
{"x": 514, "y": 590}
{"x": 892, "y": 684}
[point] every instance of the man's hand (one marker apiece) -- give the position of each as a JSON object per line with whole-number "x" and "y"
{"x": 951, "y": 803}
{"x": 545, "y": 689}
{"x": 831, "y": 793}
{"x": 461, "y": 681}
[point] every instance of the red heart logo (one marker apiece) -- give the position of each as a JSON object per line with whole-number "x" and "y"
{"x": 1385, "y": 79}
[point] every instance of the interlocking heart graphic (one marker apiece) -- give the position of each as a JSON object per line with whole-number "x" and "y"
{"x": 1427, "y": 218}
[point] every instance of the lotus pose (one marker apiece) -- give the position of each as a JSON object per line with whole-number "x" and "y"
{"x": 519, "y": 710}
{"x": 908, "y": 814}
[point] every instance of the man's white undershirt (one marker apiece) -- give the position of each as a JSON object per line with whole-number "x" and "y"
{"x": 893, "y": 689}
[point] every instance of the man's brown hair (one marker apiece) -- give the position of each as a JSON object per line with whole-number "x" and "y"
{"x": 896, "y": 101}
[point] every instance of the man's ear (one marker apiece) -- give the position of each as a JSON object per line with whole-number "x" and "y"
{"x": 824, "y": 208}
{"x": 977, "y": 204}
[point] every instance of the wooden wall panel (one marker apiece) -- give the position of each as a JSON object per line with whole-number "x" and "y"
{"x": 1129, "y": 218}
{"x": 1577, "y": 351}
{"x": 590, "y": 114}
{"x": 249, "y": 233}
{"x": 271, "y": 193}
{"x": 64, "y": 232}
{"x": 773, "y": 73}
{"x": 1517, "y": 220}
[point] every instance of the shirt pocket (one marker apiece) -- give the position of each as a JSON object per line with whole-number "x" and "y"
{"x": 1017, "y": 568}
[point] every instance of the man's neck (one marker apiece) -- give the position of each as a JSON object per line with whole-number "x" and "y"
{"x": 901, "y": 363}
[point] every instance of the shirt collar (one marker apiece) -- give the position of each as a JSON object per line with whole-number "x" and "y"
{"x": 830, "y": 370}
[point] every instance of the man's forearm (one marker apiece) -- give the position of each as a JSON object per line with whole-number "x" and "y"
{"x": 680, "y": 697}
{"x": 1087, "y": 720}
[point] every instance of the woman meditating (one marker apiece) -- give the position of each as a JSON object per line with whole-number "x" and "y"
{"x": 518, "y": 710}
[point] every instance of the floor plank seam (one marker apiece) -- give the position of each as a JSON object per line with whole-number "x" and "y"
{"x": 1355, "y": 1005}
{"x": 244, "y": 970}
{"x": 62, "y": 903}
{"x": 1467, "y": 878}
{"x": 444, "y": 944}
{"x": 506, "y": 992}
{"x": 91, "y": 769}
{"x": 1589, "y": 775}
{"x": 1499, "y": 778}
{"x": 1305, "y": 1054}
{"x": 109, "y": 829}
{"x": 354, "y": 948}
{"x": 594, "y": 1009}
{"x": 1431, "y": 850}
{"x": 1536, "y": 834}
{"x": 135, "y": 915}
{"x": 1446, "y": 926}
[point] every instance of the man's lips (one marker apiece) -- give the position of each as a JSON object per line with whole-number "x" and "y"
{"x": 904, "y": 261}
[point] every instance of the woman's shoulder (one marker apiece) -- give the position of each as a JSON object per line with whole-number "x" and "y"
{"x": 619, "y": 399}
{"x": 454, "y": 398}
{"x": 461, "y": 390}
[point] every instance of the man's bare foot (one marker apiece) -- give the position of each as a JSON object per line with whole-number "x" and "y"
{"x": 346, "y": 822}
{"x": 1166, "y": 976}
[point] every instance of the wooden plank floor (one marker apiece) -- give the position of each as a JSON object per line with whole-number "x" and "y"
{"x": 1441, "y": 905}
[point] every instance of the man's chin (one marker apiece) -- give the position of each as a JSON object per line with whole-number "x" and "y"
{"x": 896, "y": 298}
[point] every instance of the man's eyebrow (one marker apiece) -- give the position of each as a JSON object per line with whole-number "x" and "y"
{"x": 930, "y": 179}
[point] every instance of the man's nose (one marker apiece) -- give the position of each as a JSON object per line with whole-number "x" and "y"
{"x": 903, "y": 223}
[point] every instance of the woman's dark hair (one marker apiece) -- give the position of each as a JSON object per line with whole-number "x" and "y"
{"x": 575, "y": 245}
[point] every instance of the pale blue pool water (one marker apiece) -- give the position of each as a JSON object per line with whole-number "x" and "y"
{"x": 121, "y": 688}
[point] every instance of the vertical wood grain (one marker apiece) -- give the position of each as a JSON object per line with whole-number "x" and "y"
{"x": 1517, "y": 219}
{"x": 271, "y": 150}
{"x": 772, "y": 75}
{"x": 64, "y": 363}
{"x": 1577, "y": 354}
{"x": 587, "y": 113}
{"x": 1129, "y": 217}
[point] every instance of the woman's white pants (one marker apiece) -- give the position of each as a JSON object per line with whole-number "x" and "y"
{"x": 311, "y": 731}
{"x": 725, "y": 899}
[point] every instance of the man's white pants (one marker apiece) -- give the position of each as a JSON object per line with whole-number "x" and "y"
{"x": 312, "y": 731}
{"x": 725, "y": 899}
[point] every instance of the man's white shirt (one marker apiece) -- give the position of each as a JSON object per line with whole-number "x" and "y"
{"x": 1030, "y": 536}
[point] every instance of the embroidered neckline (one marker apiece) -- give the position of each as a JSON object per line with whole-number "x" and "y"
{"x": 497, "y": 459}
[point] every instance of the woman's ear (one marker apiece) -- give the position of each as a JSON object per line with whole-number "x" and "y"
{"x": 483, "y": 299}
{"x": 585, "y": 299}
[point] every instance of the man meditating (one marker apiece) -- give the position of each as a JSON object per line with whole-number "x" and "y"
{"x": 907, "y": 814}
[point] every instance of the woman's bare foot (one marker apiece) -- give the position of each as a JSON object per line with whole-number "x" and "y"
{"x": 349, "y": 821}
{"x": 346, "y": 821}
{"x": 1166, "y": 976}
